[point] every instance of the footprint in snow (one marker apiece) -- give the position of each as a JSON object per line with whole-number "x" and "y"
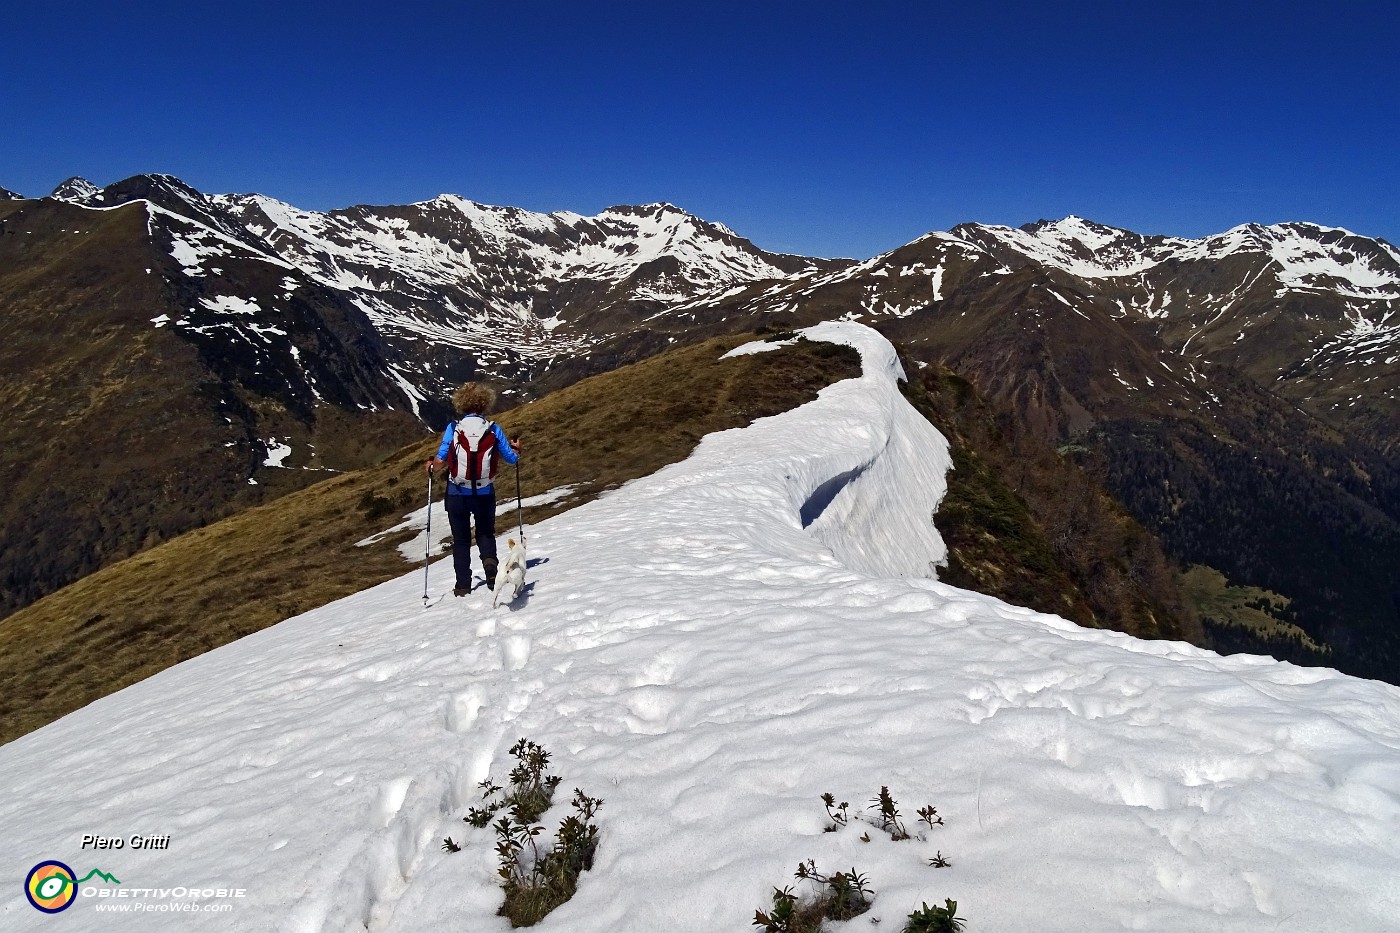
{"x": 390, "y": 799}
{"x": 517, "y": 652}
{"x": 461, "y": 710}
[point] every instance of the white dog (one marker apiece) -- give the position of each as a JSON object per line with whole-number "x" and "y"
{"x": 510, "y": 575}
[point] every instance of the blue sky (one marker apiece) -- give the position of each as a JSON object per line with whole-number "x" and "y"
{"x": 817, "y": 128}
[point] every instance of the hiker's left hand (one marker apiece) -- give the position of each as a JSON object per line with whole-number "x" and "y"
{"x": 515, "y": 444}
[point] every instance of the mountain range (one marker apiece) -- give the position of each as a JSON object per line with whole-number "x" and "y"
{"x": 175, "y": 356}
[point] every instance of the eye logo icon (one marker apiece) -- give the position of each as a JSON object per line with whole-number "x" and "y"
{"x": 51, "y": 887}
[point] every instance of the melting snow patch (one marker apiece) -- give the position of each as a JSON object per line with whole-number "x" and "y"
{"x": 229, "y": 304}
{"x": 938, "y": 284}
{"x": 277, "y": 452}
{"x": 414, "y": 548}
{"x": 190, "y": 255}
{"x": 758, "y": 346}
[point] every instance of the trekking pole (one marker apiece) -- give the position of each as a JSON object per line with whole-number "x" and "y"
{"x": 519, "y": 523}
{"x": 428, "y": 544}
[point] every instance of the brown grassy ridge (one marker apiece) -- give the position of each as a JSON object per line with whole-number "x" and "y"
{"x": 211, "y": 586}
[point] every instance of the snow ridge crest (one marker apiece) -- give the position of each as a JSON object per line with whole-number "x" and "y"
{"x": 1307, "y": 255}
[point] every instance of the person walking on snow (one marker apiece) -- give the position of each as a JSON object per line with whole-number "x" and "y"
{"x": 471, "y": 450}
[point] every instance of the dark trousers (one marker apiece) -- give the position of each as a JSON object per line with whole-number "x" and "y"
{"x": 461, "y": 512}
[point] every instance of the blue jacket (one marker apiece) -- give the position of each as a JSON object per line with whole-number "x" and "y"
{"x": 502, "y": 448}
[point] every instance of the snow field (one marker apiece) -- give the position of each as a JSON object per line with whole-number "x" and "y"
{"x": 695, "y": 656}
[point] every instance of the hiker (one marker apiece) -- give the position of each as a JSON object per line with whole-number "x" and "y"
{"x": 469, "y": 451}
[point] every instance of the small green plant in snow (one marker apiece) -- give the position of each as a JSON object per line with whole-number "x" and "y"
{"x": 839, "y": 896}
{"x": 935, "y": 919}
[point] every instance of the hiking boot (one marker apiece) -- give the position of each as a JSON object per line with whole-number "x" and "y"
{"x": 488, "y": 567}
{"x": 462, "y": 590}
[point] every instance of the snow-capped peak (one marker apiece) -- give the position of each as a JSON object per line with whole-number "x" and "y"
{"x": 1076, "y": 245}
{"x": 1310, "y": 257}
{"x": 75, "y": 190}
{"x": 1074, "y": 228}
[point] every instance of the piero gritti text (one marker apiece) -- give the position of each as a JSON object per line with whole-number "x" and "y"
{"x": 136, "y": 841}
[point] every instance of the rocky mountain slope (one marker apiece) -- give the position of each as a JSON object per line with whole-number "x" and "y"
{"x": 1310, "y": 313}
{"x": 140, "y": 402}
{"x": 457, "y": 289}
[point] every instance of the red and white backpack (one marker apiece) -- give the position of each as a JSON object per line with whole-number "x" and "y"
{"x": 471, "y": 460}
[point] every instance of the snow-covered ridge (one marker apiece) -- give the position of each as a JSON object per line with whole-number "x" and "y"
{"x": 1075, "y": 245}
{"x": 1308, "y": 256}
{"x": 488, "y": 279}
{"x": 708, "y": 656}
{"x": 500, "y": 287}
{"x": 610, "y": 246}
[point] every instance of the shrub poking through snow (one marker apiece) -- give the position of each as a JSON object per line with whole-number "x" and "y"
{"x": 847, "y": 894}
{"x": 538, "y": 880}
{"x": 887, "y": 815}
{"x": 935, "y": 919}
{"x": 531, "y": 788}
{"x": 481, "y": 816}
{"x": 449, "y": 846}
{"x": 835, "y": 812}
{"x": 789, "y": 914}
{"x": 839, "y": 896}
{"x": 930, "y": 816}
{"x": 842, "y": 895}
{"x": 785, "y": 916}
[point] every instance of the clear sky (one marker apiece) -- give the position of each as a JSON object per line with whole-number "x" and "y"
{"x": 818, "y": 128}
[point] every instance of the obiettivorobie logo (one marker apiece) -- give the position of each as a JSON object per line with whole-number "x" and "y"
{"x": 52, "y": 886}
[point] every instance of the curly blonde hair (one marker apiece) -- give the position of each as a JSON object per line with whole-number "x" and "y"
{"x": 473, "y": 398}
